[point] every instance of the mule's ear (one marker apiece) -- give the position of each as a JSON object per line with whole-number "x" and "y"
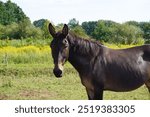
{"x": 51, "y": 30}
{"x": 65, "y": 30}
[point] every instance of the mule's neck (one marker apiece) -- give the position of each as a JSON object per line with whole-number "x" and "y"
{"x": 82, "y": 53}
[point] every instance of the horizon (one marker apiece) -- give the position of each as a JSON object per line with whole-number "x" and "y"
{"x": 61, "y": 11}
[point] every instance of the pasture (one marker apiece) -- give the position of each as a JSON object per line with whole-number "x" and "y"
{"x": 26, "y": 73}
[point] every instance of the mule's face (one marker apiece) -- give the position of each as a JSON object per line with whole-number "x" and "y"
{"x": 60, "y": 49}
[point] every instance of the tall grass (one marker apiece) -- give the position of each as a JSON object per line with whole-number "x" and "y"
{"x": 24, "y": 42}
{"x": 25, "y": 55}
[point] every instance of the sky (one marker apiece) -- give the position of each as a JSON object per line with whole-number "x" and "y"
{"x": 61, "y": 11}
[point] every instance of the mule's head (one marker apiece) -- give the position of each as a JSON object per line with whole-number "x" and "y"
{"x": 60, "y": 49}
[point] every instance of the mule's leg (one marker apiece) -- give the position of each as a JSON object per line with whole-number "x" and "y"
{"x": 94, "y": 94}
{"x": 90, "y": 94}
{"x": 98, "y": 94}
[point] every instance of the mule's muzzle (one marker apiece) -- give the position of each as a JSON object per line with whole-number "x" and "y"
{"x": 58, "y": 73}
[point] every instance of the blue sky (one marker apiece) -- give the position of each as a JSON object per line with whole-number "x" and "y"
{"x": 61, "y": 11}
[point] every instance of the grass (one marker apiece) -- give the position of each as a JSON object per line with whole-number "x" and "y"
{"x": 26, "y": 73}
{"x": 24, "y": 55}
{"x": 24, "y": 42}
{"x": 38, "y": 82}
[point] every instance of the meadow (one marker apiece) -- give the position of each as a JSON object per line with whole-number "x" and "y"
{"x": 26, "y": 73}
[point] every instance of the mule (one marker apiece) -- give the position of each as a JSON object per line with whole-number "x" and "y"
{"x": 100, "y": 68}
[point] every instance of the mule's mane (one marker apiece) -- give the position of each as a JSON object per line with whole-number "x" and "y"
{"x": 84, "y": 46}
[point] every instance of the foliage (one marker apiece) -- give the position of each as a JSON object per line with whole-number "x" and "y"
{"x": 43, "y": 25}
{"x": 134, "y": 23}
{"x": 73, "y": 23}
{"x": 9, "y": 31}
{"x": 78, "y": 30}
{"x": 102, "y": 31}
{"x": 112, "y": 32}
{"x": 39, "y": 23}
{"x": 45, "y": 30}
{"x": 59, "y": 27}
{"x": 20, "y": 30}
{"x": 15, "y": 25}
{"x": 10, "y": 12}
{"x": 145, "y": 26}
{"x": 89, "y": 27}
{"x": 129, "y": 34}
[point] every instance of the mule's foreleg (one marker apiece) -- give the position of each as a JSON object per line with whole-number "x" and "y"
{"x": 90, "y": 93}
{"x": 94, "y": 94}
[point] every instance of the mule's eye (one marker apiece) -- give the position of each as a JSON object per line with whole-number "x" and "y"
{"x": 65, "y": 42}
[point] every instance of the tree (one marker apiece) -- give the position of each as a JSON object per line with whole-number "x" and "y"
{"x": 73, "y": 23}
{"x": 33, "y": 32}
{"x": 129, "y": 34}
{"x": 2, "y": 12}
{"x": 112, "y": 32}
{"x": 39, "y": 23}
{"x": 89, "y": 27}
{"x": 78, "y": 30}
{"x": 145, "y": 27}
{"x": 28, "y": 30}
{"x": 14, "y": 24}
{"x": 10, "y": 12}
{"x": 134, "y": 23}
{"x": 12, "y": 31}
{"x": 43, "y": 25}
{"x": 46, "y": 34}
{"x": 59, "y": 26}
{"x": 2, "y": 31}
{"x": 104, "y": 30}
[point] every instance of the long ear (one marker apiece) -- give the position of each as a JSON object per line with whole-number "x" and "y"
{"x": 65, "y": 30}
{"x": 51, "y": 30}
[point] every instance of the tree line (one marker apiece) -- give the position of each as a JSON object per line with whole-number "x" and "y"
{"x": 14, "y": 24}
{"x": 130, "y": 32}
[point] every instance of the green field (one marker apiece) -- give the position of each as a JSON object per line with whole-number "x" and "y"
{"x": 26, "y": 73}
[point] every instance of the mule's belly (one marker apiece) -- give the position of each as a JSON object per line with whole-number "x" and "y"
{"x": 122, "y": 88}
{"x": 125, "y": 76}
{"x": 123, "y": 85}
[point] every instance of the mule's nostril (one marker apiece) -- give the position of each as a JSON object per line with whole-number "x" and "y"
{"x": 57, "y": 72}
